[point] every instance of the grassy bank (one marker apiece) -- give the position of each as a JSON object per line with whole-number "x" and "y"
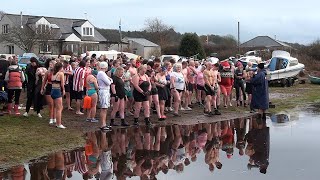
{"x": 22, "y": 139}
{"x": 298, "y": 96}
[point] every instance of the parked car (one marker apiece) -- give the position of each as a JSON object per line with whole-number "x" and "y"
{"x": 169, "y": 57}
{"x": 8, "y": 55}
{"x": 24, "y": 60}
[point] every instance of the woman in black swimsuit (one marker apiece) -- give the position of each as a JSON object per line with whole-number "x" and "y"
{"x": 154, "y": 97}
{"x": 142, "y": 88}
{"x": 118, "y": 92}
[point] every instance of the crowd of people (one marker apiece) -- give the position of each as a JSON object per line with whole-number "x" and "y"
{"x": 148, "y": 152}
{"x": 132, "y": 86}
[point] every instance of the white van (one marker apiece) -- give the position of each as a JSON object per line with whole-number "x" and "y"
{"x": 169, "y": 57}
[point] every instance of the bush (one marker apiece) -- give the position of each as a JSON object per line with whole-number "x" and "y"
{"x": 190, "y": 45}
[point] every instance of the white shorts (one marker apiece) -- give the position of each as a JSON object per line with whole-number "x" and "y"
{"x": 104, "y": 98}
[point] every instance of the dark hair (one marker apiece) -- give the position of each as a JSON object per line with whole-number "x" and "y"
{"x": 93, "y": 56}
{"x": 115, "y": 62}
{"x": 150, "y": 63}
{"x": 172, "y": 61}
{"x": 57, "y": 67}
{"x": 82, "y": 64}
{"x": 33, "y": 59}
{"x": 47, "y": 63}
{"x": 145, "y": 61}
{"x": 184, "y": 63}
{"x": 157, "y": 60}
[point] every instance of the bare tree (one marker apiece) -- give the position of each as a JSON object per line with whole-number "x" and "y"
{"x": 158, "y": 30}
{"x": 27, "y": 37}
{"x": 2, "y": 13}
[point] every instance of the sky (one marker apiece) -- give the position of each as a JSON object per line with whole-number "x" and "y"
{"x": 291, "y": 21}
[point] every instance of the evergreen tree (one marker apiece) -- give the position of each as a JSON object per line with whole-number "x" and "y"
{"x": 190, "y": 45}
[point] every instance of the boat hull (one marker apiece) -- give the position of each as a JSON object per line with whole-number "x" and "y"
{"x": 285, "y": 73}
{"x": 314, "y": 80}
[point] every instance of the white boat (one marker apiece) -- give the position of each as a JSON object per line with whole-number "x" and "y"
{"x": 283, "y": 68}
{"x": 112, "y": 54}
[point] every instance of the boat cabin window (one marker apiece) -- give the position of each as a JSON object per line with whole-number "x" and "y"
{"x": 293, "y": 63}
{"x": 277, "y": 64}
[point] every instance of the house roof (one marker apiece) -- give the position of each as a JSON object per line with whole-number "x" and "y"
{"x": 142, "y": 41}
{"x": 66, "y": 25}
{"x": 78, "y": 23}
{"x": 264, "y": 41}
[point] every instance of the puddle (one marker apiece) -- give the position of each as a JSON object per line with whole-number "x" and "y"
{"x": 285, "y": 146}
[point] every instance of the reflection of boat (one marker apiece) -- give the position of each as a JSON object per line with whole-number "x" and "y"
{"x": 314, "y": 79}
{"x": 283, "y": 68}
{"x": 284, "y": 119}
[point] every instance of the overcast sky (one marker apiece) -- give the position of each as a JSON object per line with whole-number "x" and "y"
{"x": 291, "y": 21}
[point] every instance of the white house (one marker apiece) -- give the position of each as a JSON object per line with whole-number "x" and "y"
{"x": 72, "y": 35}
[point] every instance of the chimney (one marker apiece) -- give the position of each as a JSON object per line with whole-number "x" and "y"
{"x": 21, "y": 23}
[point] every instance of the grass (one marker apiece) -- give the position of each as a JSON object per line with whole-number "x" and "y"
{"x": 299, "y": 96}
{"x": 22, "y": 139}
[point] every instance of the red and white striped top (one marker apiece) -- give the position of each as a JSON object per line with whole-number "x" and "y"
{"x": 66, "y": 76}
{"x": 78, "y": 79}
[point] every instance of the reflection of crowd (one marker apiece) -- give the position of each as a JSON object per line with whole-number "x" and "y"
{"x": 146, "y": 152}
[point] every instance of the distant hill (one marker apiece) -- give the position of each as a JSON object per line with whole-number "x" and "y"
{"x": 173, "y": 39}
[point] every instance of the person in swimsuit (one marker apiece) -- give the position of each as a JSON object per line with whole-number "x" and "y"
{"x": 92, "y": 87}
{"x": 209, "y": 87}
{"x": 177, "y": 86}
{"x": 128, "y": 90}
{"x": 216, "y": 80}
{"x": 118, "y": 92}
{"x": 56, "y": 166}
{"x": 191, "y": 75}
{"x": 154, "y": 91}
{"x": 200, "y": 85}
{"x": 161, "y": 83}
{"x": 46, "y": 89}
{"x": 57, "y": 88}
{"x": 240, "y": 75}
{"x": 168, "y": 104}
{"x": 142, "y": 88}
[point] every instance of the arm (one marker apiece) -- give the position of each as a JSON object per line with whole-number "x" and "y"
{"x": 135, "y": 82}
{"x": 23, "y": 78}
{"x": 44, "y": 82}
{"x": 68, "y": 71}
{"x": 113, "y": 89}
{"x": 148, "y": 79}
{"x": 95, "y": 84}
{"x": 62, "y": 82}
{"x": 106, "y": 80}
{"x": 219, "y": 77}
{"x": 7, "y": 76}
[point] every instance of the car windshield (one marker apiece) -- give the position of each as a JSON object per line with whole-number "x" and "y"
{"x": 167, "y": 58}
{"x": 24, "y": 61}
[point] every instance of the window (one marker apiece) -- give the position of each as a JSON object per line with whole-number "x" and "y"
{"x": 45, "y": 48}
{"x": 42, "y": 28}
{"x": 87, "y": 31}
{"x": 5, "y": 29}
{"x": 11, "y": 49}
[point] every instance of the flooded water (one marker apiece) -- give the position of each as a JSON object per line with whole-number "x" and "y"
{"x": 285, "y": 146}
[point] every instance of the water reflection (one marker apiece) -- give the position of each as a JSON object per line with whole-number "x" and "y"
{"x": 148, "y": 152}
